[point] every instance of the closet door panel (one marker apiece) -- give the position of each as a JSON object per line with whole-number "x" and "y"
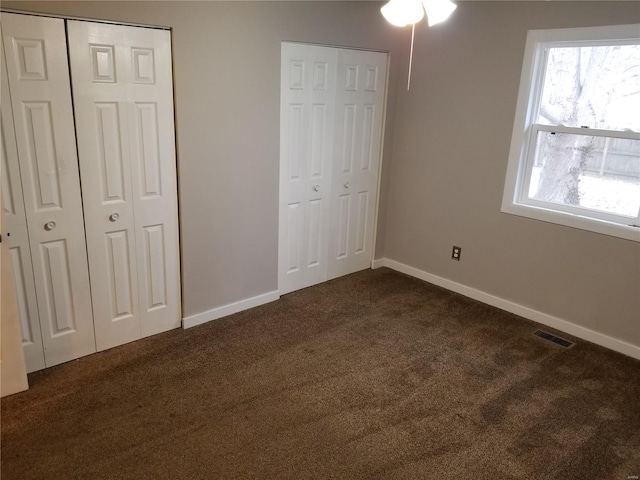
{"x": 360, "y": 104}
{"x": 306, "y": 123}
{"x": 37, "y": 66}
{"x": 153, "y": 175}
{"x": 100, "y": 74}
{"x": 124, "y": 103}
{"x": 14, "y": 223}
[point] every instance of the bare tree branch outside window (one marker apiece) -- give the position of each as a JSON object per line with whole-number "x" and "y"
{"x": 596, "y": 88}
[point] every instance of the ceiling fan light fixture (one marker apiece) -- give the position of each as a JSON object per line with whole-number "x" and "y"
{"x": 438, "y": 10}
{"x": 403, "y": 12}
{"x": 409, "y": 12}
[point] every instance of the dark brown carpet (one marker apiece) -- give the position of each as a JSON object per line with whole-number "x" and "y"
{"x": 371, "y": 376}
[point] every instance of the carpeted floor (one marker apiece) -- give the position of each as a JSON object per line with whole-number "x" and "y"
{"x": 372, "y": 376}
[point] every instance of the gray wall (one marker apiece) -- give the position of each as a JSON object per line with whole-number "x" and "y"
{"x": 451, "y": 143}
{"x": 227, "y": 94}
{"x": 448, "y": 138}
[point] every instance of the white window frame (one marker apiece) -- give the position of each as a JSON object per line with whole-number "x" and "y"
{"x": 523, "y": 140}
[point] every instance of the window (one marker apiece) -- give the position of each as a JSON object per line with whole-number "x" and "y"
{"x": 575, "y": 148}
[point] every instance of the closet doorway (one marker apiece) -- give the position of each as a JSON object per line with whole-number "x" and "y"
{"x": 331, "y": 116}
{"x": 92, "y": 230}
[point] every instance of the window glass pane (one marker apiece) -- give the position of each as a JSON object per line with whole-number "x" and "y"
{"x": 597, "y": 173}
{"x": 595, "y": 87}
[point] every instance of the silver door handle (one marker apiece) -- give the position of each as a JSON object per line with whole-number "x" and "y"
{"x": 49, "y": 226}
{"x": 316, "y": 188}
{"x": 113, "y": 217}
{"x": 347, "y": 184}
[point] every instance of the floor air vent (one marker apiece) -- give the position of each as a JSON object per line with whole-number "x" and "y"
{"x": 552, "y": 338}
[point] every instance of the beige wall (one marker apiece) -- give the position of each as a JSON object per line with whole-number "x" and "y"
{"x": 453, "y": 131}
{"x": 448, "y": 137}
{"x": 227, "y": 94}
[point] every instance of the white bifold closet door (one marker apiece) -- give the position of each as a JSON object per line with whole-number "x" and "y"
{"x": 358, "y": 130}
{"x": 123, "y": 101}
{"x": 14, "y": 223}
{"x": 38, "y": 77}
{"x": 308, "y": 93}
{"x": 95, "y": 263}
{"x": 332, "y": 102}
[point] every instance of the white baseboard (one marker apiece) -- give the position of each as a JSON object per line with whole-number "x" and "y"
{"x": 509, "y": 306}
{"x": 216, "y": 313}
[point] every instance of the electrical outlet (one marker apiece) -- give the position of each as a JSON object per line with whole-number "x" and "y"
{"x": 456, "y": 252}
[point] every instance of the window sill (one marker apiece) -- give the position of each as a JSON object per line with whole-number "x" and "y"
{"x": 574, "y": 221}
